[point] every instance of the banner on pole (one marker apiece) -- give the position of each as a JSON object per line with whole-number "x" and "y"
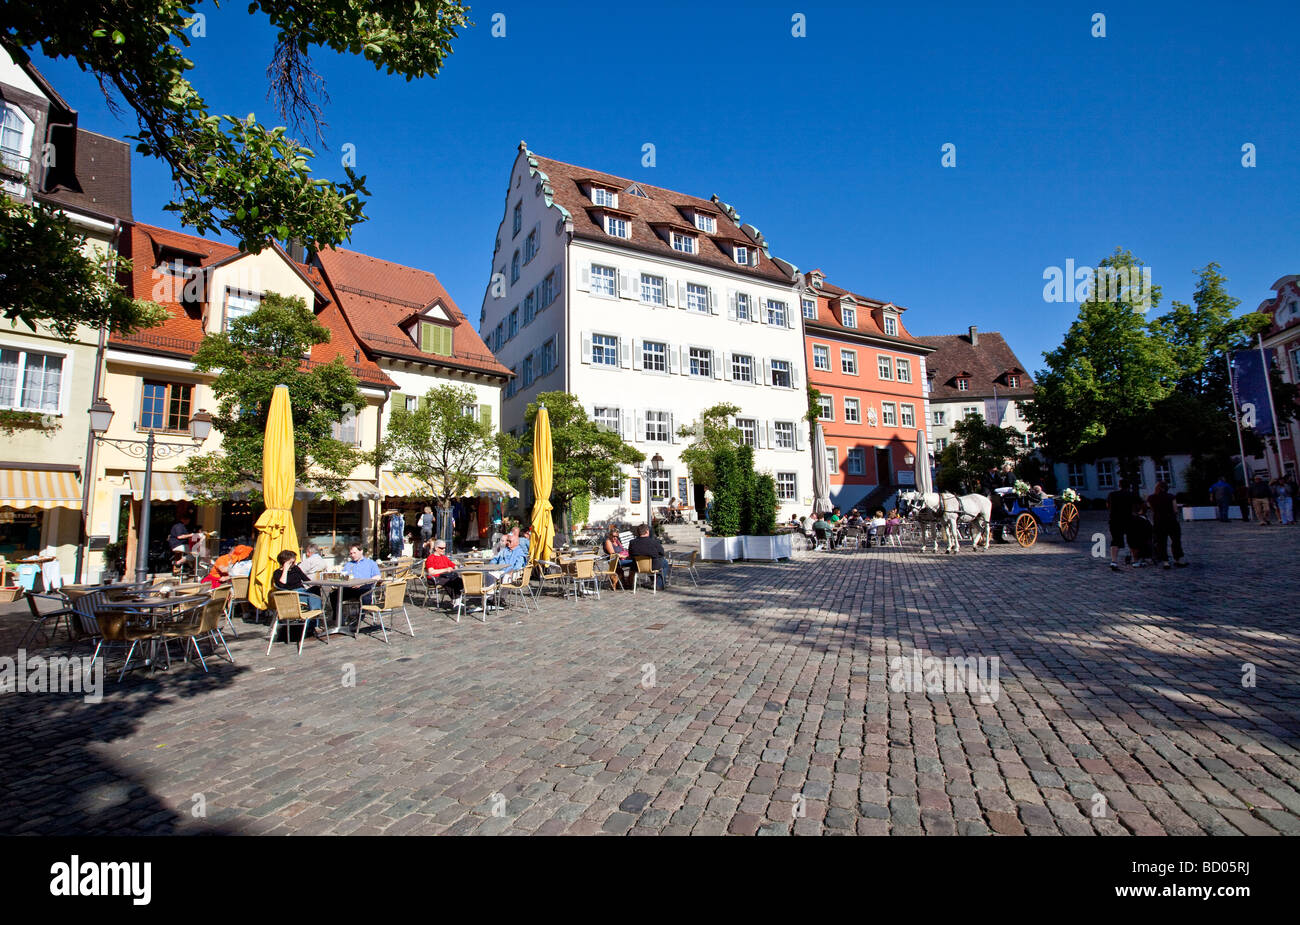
{"x": 1250, "y": 391}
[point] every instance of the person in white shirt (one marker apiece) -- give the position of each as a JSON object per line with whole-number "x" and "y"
{"x": 313, "y": 563}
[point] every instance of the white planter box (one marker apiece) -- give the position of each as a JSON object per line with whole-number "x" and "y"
{"x": 720, "y": 548}
{"x": 1210, "y": 512}
{"x": 768, "y": 548}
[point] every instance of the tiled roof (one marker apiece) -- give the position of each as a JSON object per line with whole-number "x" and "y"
{"x": 377, "y": 296}
{"x": 103, "y": 178}
{"x": 663, "y": 207}
{"x": 985, "y": 363}
{"x": 182, "y": 332}
{"x": 830, "y": 316}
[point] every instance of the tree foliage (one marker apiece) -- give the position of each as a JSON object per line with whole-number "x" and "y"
{"x": 725, "y": 519}
{"x": 976, "y": 446}
{"x": 260, "y": 351}
{"x": 585, "y": 458}
{"x": 47, "y": 278}
{"x": 712, "y": 432}
{"x": 440, "y": 442}
{"x": 232, "y": 174}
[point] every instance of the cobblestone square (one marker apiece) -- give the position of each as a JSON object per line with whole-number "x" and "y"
{"x": 759, "y": 703}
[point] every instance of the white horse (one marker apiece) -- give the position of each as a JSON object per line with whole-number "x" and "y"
{"x": 974, "y": 509}
{"x": 912, "y": 504}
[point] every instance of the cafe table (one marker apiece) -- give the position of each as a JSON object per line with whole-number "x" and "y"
{"x": 153, "y": 610}
{"x": 327, "y": 583}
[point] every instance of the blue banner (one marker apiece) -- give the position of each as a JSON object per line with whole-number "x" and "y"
{"x": 1250, "y": 391}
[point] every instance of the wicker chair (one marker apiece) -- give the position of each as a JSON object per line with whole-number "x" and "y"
{"x": 288, "y": 608}
{"x": 118, "y": 627}
{"x": 645, "y": 566}
{"x": 474, "y": 587}
{"x": 392, "y": 598}
{"x": 583, "y": 575}
{"x": 520, "y": 583}
{"x": 688, "y": 564}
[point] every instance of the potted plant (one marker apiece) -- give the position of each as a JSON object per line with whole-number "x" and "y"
{"x": 763, "y": 542}
{"x": 723, "y": 544}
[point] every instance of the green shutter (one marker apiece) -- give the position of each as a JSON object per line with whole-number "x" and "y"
{"x": 427, "y": 332}
{"x": 399, "y": 401}
{"x": 424, "y": 402}
{"x": 444, "y": 342}
{"x": 485, "y": 414}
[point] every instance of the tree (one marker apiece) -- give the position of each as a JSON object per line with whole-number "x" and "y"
{"x": 1105, "y": 378}
{"x": 586, "y": 459}
{"x": 232, "y": 175}
{"x": 260, "y": 351}
{"x": 743, "y": 486}
{"x": 441, "y": 444}
{"x": 712, "y": 432}
{"x": 725, "y": 520}
{"x": 976, "y": 447}
{"x": 47, "y": 277}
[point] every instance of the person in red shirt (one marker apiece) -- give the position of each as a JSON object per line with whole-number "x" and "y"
{"x": 442, "y": 571}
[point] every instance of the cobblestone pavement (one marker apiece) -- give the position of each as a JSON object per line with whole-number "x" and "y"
{"x": 759, "y": 703}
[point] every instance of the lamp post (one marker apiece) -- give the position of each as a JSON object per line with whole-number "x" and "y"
{"x": 200, "y": 425}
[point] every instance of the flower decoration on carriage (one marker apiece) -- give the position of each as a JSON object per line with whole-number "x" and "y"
{"x": 1069, "y": 496}
{"x": 1021, "y": 488}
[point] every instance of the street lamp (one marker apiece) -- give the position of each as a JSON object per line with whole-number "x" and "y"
{"x": 200, "y": 425}
{"x": 909, "y": 459}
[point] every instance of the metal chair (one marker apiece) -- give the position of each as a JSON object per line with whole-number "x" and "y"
{"x": 689, "y": 565}
{"x": 610, "y": 572}
{"x": 645, "y": 566}
{"x": 288, "y": 608}
{"x": 474, "y": 587}
{"x": 121, "y": 628}
{"x": 392, "y": 598}
{"x": 40, "y": 618}
{"x": 520, "y": 583}
{"x": 202, "y": 620}
{"x": 582, "y": 575}
{"x": 238, "y": 597}
{"x": 552, "y": 575}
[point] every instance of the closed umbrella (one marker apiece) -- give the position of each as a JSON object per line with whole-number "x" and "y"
{"x": 543, "y": 527}
{"x": 821, "y": 478}
{"x": 275, "y": 530}
{"x": 922, "y": 464}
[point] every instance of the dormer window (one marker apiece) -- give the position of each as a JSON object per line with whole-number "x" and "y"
{"x": 849, "y": 316}
{"x": 741, "y": 254}
{"x": 683, "y": 242}
{"x": 810, "y": 309}
{"x": 963, "y": 384}
{"x": 1013, "y": 381}
{"x": 604, "y": 197}
{"x": 617, "y": 227}
{"x": 816, "y": 279}
{"x": 706, "y": 223}
{"x": 435, "y": 338}
{"x": 635, "y": 190}
{"x": 891, "y": 324}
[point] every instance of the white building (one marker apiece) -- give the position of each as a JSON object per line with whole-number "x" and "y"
{"x": 650, "y": 306}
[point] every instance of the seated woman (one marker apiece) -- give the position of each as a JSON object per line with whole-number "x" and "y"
{"x": 221, "y": 568}
{"x": 440, "y": 570}
{"x": 289, "y": 577}
{"x": 614, "y": 547}
{"x": 877, "y": 528}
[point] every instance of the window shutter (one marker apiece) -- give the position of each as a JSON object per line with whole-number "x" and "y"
{"x": 686, "y": 361}
{"x": 629, "y": 420}
{"x": 767, "y": 371}
{"x": 681, "y": 295}
{"x": 771, "y": 434}
{"x": 731, "y": 305}
{"x": 639, "y": 436}
{"x": 558, "y": 270}
{"x": 485, "y": 414}
{"x": 424, "y": 402}
{"x": 586, "y": 346}
{"x": 799, "y": 436}
{"x": 447, "y": 334}
{"x": 754, "y": 314}
{"x": 584, "y": 284}
{"x": 624, "y": 285}
{"x": 713, "y": 302}
{"x": 672, "y": 428}
{"x": 636, "y": 354}
{"x": 398, "y": 402}
{"x": 726, "y": 365}
{"x": 624, "y": 353}
{"x": 794, "y": 374}
{"x": 427, "y": 332}
{"x": 716, "y": 358}
{"x": 761, "y": 311}
{"x": 671, "y": 351}
{"x": 670, "y": 293}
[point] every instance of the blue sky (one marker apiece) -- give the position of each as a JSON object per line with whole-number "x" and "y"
{"x": 1067, "y": 145}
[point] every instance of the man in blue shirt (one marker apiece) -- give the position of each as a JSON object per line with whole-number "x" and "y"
{"x": 512, "y": 557}
{"x": 359, "y": 565}
{"x": 1221, "y": 494}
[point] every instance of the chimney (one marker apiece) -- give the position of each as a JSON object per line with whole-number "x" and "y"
{"x": 974, "y": 336}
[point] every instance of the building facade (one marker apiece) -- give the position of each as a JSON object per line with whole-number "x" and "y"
{"x": 650, "y": 306}
{"x": 871, "y": 374}
{"x": 1282, "y": 342}
{"x": 975, "y": 373}
{"x": 47, "y": 382}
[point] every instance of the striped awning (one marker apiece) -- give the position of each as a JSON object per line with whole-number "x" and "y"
{"x": 39, "y": 488}
{"x": 171, "y": 486}
{"x": 401, "y": 485}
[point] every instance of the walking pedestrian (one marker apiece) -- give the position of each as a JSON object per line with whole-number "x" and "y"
{"x": 1261, "y": 499}
{"x": 1221, "y": 495}
{"x": 1119, "y": 507}
{"x": 1283, "y": 501}
{"x": 426, "y": 523}
{"x": 1166, "y": 530}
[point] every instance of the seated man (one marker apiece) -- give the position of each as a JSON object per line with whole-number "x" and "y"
{"x": 359, "y": 565}
{"x": 313, "y": 563}
{"x": 643, "y": 544}
{"x": 525, "y": 538}
{"x": 821, "y": 531}
{"x": 877, "y": 528}
{"x": 512, "y": 557}
{"x": 442, "y": 571}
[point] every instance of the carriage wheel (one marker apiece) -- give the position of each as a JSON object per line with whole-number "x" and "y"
{"x": 1068, "y": 523}
{"x": 1026, "y": 530}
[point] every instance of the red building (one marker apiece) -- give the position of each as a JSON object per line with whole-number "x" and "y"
{"x": 871, "y": 375}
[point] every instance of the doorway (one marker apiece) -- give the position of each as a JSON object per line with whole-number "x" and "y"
{"x": 884, "y": 468}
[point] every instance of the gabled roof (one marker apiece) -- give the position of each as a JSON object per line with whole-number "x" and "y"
{"x": 380, "y": 298}
{"x": 829, "y": 315}
{"x": 181, "y": 333}
{"x": 984, "y": 363}
{"x": 102, "y": 181}
{"x": 662, "y": 207}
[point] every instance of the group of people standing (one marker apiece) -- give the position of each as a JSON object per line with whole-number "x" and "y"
{"x": 1144, "y": 541}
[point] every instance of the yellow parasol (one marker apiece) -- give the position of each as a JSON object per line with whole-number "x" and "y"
{"x": 275, "y": 530}
{"x": 543, "y": 528}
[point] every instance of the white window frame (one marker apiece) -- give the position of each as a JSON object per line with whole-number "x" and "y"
{"x": 907, "y": 415}
{"x": 778, "y": 312}
{"x": 64, "y": 376}
{"x": 903, "y": 369}
{"x": 700, "y": 366}
{"x": 1076, "y": 475}
{"x": 650, "y": 355}
{"x": 604, "y": 197}
{"x": 809, "y": 307}
{"x": 1106, "y": 474}
{"x": 706, "y": 223}
{"x": 940, "y": 418}
{"x": 617, "y": 227}
{"x": 885, "y": 367}
{"x": 891, "y": 324}
{"x": 744, "y": 308}
{"x": 789, "y": 378}
{"x": 697, "y": 298}
{"x": 888, "y": 414}
{"x": 604, "y": 354}
{"x": 848, "y": 362}
{"x": 833, "y": 460}
{"x": 852, "y": 410}
{"x": 787, "y": 486}
{"x": 822, "y": 352}
{"x": 614, "y": 427}
{"x": 748, "y": 428}
{"x": 245, "y": 298}
{"x": 648, "y": 284}
{"x": 963, "y": 384}
{"x": 598, "y": 271}
{"x": 826, "y": 408}
{"x": 855, "y": 462}
{"x": 780, "y": 431}
{"x": 1013, "y": 381}
{"x": 738, "y": 368}
{"x": 684, "y": 243}
{"x": 666, "y": 423}
{"x": 740, "y": 253}
{"x": 849, "y": 316}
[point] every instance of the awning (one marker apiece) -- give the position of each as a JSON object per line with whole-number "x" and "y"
{"x": 171, "y": 486}
{"x": 401, "y": 485}
{"x": 39, "y": 488}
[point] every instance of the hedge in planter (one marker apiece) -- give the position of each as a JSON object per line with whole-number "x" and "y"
{"x": 726, "y": 497}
